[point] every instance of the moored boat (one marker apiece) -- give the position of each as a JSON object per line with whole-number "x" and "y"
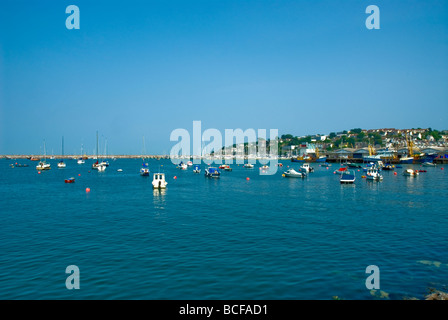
{"x": 158, "y": 181}
{"x": 373, "y": 174}
{"x": 307, "y": 168}
{"x": 428, "y": 164}
{"x": 248, "y": 166}
{"x": 212, "y": 172}
{"x": 410, "y": 173}
{"x": 69, "y": 180}
{"x": 182, "y": 166}
{"x": 291, "y": 173}
{"x": 347, "y": 178}
{"x": 197, "y": 168}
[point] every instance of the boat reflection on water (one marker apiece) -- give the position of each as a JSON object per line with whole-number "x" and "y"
{"x": 159, "y": 196}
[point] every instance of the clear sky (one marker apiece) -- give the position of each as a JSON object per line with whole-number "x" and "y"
{"x": 145, "y": 68}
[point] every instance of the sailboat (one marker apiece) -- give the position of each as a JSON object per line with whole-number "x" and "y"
{"x": 98, "y": 166}
{"x": 144, "y": 171}
{"x": 43, "y": 165}
{"x": 81, "y": 160}
{"x": 61, "y": 164}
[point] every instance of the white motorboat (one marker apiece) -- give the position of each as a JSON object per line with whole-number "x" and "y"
{"x": 373, "y": 174}
{"x": 428, "y": 164}
{"x": 158, "y": 181}
{"x": 291, "y": 173}
{"x": 265, "y": 167}
{"x": 43, "y": 166}
{"x": 410, "y": 173}
{"x": 307, "y": 168}
{"x": 189, "y": 163}
{"x": 248, "y": 165}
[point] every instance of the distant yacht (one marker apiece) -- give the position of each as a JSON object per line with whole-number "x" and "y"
{"x": 61, "y": 164}
{"x": 43, "y": 165}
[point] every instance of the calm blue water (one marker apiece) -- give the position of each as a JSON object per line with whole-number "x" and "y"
{"x": 229, "y": 238}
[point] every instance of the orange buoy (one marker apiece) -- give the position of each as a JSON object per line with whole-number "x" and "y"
{"x": 363, "y": 177}
{"x": 395, "y": 173}
{"x": 38, "y": 172}
{"x": 327, "y": 168}
{"x": 175, "y": 177}
{"x": 247, "y": 178}
{"x": 87, "y": 190}
{"x": 79, "y": 174}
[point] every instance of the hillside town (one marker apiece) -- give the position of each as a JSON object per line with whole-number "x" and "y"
{"x": 391, "y": 143}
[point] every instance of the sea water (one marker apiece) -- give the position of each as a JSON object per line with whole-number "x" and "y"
{"x": 266, "y": 237}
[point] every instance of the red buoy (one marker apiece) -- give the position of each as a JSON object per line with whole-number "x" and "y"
{"x": 38, "y": 172}
{"x": 175, "y": 177}
{"x": 395, "y": 173}
{"x": 87, "y": 190}
{"x": 247, "y": 178}
{"x": 79, "y": 174}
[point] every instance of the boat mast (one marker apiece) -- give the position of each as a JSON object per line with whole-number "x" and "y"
{"x": 97, "y": 159}
{"x": 62, "y": 145}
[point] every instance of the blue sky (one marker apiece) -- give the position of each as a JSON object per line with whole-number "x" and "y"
{"x": 145, "y": 68}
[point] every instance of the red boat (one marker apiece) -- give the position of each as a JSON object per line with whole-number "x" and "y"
{"x": 70, "y": 180}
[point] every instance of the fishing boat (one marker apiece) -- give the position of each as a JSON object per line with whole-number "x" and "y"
{"x": 428, "y": 164}
{"x": 291, "y": 173}
{"x": 410, "y": 173}
{"x": 307, "y": 168}
{"x": 298, "y": 159}
{"x": 409, "y": 159}
{"x": 248, "y": 166}
{"x": 69, "y": 180}
{"x": 43, "y": 165}
{"x": 158, "y": 181}
{"x": 197, "y": 168}
{"x": 61, "y": 164}
{"x": 212, "y": 172}
{"x": 347, "y": 178}
{"x": 373, "y": 174}
{"x": 33, "y": 158}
